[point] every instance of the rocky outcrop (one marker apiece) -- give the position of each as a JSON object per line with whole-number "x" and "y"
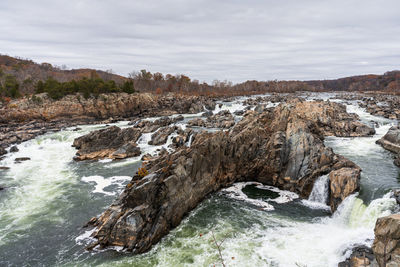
{"x": 112, "y": 142}
{"x": 361, "y": 256}
{"x": 333, "y": 120}
{"x": 386, "y": 245}
{"x": 102, "y": 107}
{"x": 222, "y": 120}
{"x": 343, "y": 182}
{"x": 160, "y": 137}
{"x": 279, "y": 147}
{"x": 391, "y": 141}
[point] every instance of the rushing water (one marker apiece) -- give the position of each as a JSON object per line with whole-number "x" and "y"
{"x": 50, "y": 197}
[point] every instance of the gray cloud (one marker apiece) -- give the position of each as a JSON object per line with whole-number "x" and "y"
{"x": 233, "y": 40}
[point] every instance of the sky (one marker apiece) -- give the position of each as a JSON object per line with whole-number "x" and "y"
{"x": 208, "y": 39}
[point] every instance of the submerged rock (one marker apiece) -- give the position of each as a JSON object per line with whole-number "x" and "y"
{"x": 386, "y": 245}
{"x": 22, "y": 159}
{"x": 14, "y": 149}
{"x": 280, "y": 147}
{"x": 112, "y": 142}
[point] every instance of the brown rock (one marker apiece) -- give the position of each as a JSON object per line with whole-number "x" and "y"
{"x": 386, "y": 245}
{"x": 343, "y": 182}
{"x": 112, "y": 142}
{"x": 277, "y": 147}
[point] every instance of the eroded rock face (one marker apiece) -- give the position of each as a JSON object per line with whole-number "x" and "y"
{"x": 343, "y": 182}
{"x": 386, "y": 245}
{"x": 112, "y": 142}
{"x": 279, "y": 147}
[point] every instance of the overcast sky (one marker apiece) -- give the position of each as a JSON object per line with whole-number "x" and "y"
{"x": 208, "y": 39}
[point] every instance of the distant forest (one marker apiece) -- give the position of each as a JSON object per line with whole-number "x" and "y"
{"x": 20, "y": 77}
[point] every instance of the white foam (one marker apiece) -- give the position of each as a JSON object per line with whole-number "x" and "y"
{"x": 101, "y": 183}
{"x": 235, "y": 191}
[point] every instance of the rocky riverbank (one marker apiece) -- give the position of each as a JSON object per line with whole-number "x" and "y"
{"x": 281, "y": 146}
{"x": 27, "y": 118}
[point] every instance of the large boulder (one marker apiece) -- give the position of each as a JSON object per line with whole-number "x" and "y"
{"x": 343, "y": 182}
{"x": 386, "y": 245}
{"x": 391, "y": 140}
{"x": 112, "y": 142}
{"x": 277, "y": 147}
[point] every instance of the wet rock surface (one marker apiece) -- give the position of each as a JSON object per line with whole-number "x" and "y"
{"x": 112, "y": 142}
{"x": 343, "y": 182}
{"x": 160, "y": 137}
{"x": 282, "y": 147}
{"x": 24, "y": 119}
{"x": 361, "y": 256}
{"x": 386, "y": 245}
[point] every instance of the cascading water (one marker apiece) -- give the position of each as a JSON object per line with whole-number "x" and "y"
{"x": 49, "y": 198}
{"x": 320, "y": 190}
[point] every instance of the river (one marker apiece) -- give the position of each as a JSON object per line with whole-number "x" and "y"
{"x": 49, "y": 198}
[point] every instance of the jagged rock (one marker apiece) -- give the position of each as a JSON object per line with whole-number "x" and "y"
{"x": 278, "y": 147}
{"x": 343, "y": 182}
{"x": 386, "y": 245}
{"x": 182, "y": 138}
{"x": 209, "y": 104}
{"x": 4, "y": 168}
{"x": 151, "y": 126}
{"x": 161, "y": 136}
{"x": 222, "y": 119}
{"x": 361, "y": 256}
{"x": 196, "y": 122}
{"x": 14, "y": 149}
{"x": 112, "y": 142}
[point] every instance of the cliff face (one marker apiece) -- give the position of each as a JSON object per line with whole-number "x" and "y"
{"x": 280, "y": 147}
{"x": 103, "y": 107}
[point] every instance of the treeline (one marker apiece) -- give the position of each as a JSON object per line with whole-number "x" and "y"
{"x": 158, "y": 83}
{"x": 9, "y": 87}
{"x": 86, "y": 86}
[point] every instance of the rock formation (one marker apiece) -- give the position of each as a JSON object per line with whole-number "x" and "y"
{"x": 386, "y": 245}
{"x": 112, "y": 142}
{"x": 282, "y": 147}
{"x": 391, "y": 141}
{"x": 222, "y": 120}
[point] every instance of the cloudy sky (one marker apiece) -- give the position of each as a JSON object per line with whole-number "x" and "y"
{"x": 208, "y": 39}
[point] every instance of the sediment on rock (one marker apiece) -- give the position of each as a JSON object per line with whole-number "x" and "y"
{"x": 282, "y": 147}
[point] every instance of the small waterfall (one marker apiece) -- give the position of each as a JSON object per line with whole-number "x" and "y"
{"x": 320, "y": 191}
{"x": 189, "y": 143}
